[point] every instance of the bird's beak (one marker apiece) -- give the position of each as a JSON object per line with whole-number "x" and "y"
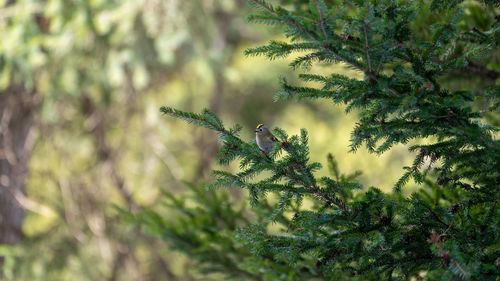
{"x": 256, "y": 131}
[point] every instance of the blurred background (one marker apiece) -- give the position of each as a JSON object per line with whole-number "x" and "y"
{"x": 81, "y": 83}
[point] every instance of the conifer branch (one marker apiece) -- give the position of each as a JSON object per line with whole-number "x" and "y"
{"x": 263, "y": 6}
{"x": 380, "y": 63}
{"x": 197, "y": 119}
{"x": 321, "y": 22}
{"x": 438, "y": 37}
{"x": 325, "y": 46}
{"x": 365, "y": 232}
{"x": 367, "y": 48}
{"x": 314, "y": 188}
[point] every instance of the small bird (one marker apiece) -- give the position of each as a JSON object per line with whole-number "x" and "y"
{"x": 265, "y": 140}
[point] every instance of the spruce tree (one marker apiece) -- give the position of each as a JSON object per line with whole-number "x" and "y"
{"x": 448, "y": 230}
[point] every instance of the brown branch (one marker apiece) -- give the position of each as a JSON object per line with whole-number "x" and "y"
{"x": 367, "y": 48}
{"x": 380, "y": 64}
{"x": 264, "y": 6}
{"x": 437, "y": 217}
{"x": 333, "y": 15}
{"x": 318, "y": 193}
{"x": 459, "y": 267}
{"x": 175, "y": 113}
{"x": 445, "y": 254}
{"x": 263, "y": 19}
{"x": 394, "y": 91}
{"x": 321, "y": 22}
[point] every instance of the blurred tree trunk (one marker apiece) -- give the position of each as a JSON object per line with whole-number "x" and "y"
{"x": 18, "y": 108}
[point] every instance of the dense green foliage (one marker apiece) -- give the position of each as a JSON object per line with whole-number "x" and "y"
{"x": 329, "y": 227}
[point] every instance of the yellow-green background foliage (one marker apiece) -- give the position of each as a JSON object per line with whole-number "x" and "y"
{"x": 102, "y": 69}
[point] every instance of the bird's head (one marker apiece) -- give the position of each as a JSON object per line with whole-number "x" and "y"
{"x": 262, "y": 130}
